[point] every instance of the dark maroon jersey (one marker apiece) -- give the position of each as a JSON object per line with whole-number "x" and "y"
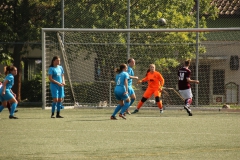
{"x": 183, "y": 74}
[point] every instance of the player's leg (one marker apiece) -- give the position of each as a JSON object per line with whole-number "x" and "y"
{"x": 54, "y": 93}
{"x": 125, "y": 106}
{"x": 187, "y": 95}
{"x": 3, "y": 104}
{"x": 59, "y": 101}
{"x": 9, "y": 106}
{"x": 14, "y": 103}
{"x": 119, "y": 106}
{"x": 132, "y": 98}
{"x": 158, "y": 100}
{"x": 146, "y": 95}
{"x": 9, "y": 97}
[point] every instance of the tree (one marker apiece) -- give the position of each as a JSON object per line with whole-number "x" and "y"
{"x": 20, "y": 23}
{"x": 144, "y": 14}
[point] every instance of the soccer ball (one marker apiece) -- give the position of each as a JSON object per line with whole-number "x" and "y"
{"x": 162, "y": 22}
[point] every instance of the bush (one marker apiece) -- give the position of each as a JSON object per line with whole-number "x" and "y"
{"x": 31, "y": 90}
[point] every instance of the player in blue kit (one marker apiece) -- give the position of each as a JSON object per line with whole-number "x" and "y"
{"x": 6, "y": 94}
{"x": 57, "y": 82}
{"x": 121, "y": 91}
{"x": 131, "y": 64}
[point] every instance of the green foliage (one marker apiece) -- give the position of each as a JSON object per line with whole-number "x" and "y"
{"x": 32, "y": 89}
{"x": 86, "y": 95}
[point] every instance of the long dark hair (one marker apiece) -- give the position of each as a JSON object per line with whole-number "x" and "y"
{"x": 121, "y": 67}
{"x": 8, "y": 69}
{"x": 53, "y": 59}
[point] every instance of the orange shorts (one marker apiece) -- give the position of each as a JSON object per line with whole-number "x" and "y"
{"x": 150, "y": 91}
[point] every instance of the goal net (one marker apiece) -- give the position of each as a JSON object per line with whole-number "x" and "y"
{"x": 89, "y": 57}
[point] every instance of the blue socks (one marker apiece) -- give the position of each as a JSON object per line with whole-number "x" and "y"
{"x": 125, "y": 107}
{"x": 13, "y": 107}
{"x": 53, "y": 106}
{"x": 58, "y": 106}
{"x": 132, "y": 100}
{"x": 117, "y": 109}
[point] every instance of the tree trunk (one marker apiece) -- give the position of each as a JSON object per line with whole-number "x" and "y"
{"x": 17, "y": 56}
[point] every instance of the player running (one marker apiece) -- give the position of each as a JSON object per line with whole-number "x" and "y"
{"x": 131, "y": 64}
{"x": 121, "y": 91}
{"x": 57, "y": 82}
{"x": 6, "y": 94}
{"x": 8, "y": 103}
{"x": 184, "y": 86}
{"x": 155, "y": 84}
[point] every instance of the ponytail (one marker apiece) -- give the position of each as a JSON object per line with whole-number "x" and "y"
{"x": 8, "y": 69}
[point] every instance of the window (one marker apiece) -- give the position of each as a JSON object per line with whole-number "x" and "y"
{"x": 218, "y": 82}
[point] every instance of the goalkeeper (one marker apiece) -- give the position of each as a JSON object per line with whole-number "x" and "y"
{"x": 155, "y": 83}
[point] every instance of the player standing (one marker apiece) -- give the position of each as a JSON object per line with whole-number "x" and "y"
{"x": 184, "y": 86}
{"x": 121, "y": 91}
{"x": 6, "y": 94}
{"x": 57, "y": 82}
{"x": 155, "y": 84}
{"x": 131, "y": 64}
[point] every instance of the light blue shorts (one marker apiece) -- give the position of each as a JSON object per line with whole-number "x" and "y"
{"x": 57, "y": 91}
{"x": 7, "y": 96}
{"x": 130, "y": 91}
{"x": 120, "y": 95}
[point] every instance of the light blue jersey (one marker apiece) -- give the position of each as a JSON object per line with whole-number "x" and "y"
{"x": 131, "y": 73}
{"x": 56, "y": 73}
{"x": 8, "y": 95}
{"x": 120, "y": 88}
{"x": 130, "y": 89}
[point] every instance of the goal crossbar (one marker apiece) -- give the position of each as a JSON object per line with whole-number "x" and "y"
{"x": 144, "y": 30}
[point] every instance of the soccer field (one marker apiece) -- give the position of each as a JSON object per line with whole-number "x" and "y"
{"x": 90, "y": 134}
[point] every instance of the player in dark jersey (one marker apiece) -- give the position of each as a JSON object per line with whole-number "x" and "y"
{"x": 184, "y": 86}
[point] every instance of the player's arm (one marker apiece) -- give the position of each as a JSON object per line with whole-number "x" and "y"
{"x": 63, "y": 79}
{"x": 133, "y": 77}
{"x": 161, "y": 80}
{"x": 126, "y": 85}
{"x": 53, "y": 81}
{"x": 4, "y": 86}
{"x": 192, "y": 81}
{"x": 145, "y": 79}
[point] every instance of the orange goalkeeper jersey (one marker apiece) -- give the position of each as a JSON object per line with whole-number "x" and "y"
{"x": 155, "y": 80}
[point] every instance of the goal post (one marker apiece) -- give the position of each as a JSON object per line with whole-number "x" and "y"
{"x": 89, "y": 57}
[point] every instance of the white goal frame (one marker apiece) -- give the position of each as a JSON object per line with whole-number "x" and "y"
{"x": 44, "y": 30}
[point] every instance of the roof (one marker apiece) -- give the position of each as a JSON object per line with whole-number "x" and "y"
{"x": 228, "y": 7}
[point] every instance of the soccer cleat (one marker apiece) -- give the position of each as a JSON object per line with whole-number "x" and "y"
{"x": 135, "y": 111}
{"x": 128, "y": 112}
{"x": 52, "y": 116}
{"x": 113, "y": 118}
{"x": 58, "y": 116}
{"x": 15, "y": 111}
{"x": 188, "y": 110}
{"x": 12, "y": 117}
{"x": 161, "y": 110}
{"x": 123, "y": 116}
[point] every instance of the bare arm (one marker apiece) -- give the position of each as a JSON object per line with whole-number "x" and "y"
{"x": 63, "y": 80}
{"x": 53, "y": 81}
{"x": 192, "y": 81}
{"x": 126, "y": 85}
{"x": 4, "y": 86}
{"x": 133, "y": 77}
